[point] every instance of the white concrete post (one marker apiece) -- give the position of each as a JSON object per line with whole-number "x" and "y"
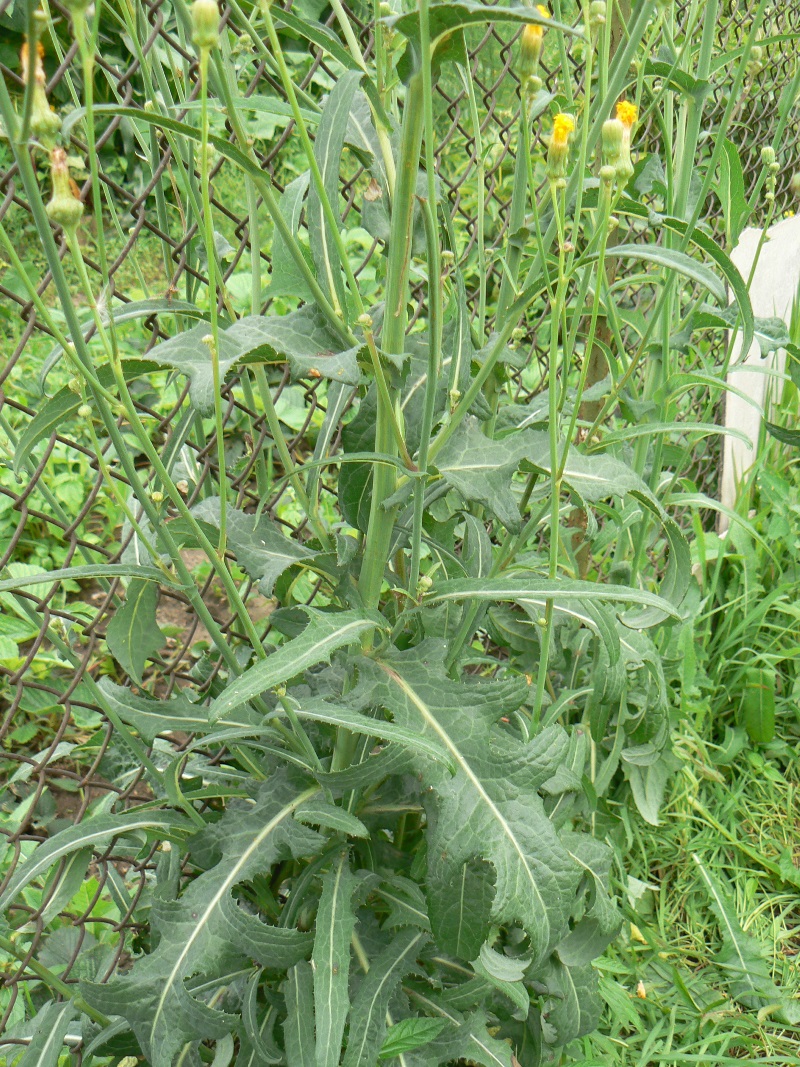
{"x": 772, "y": 293}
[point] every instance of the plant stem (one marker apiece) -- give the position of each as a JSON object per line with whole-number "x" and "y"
{"x": 516, "y": 218}
{"x": 52, "y": 981}
{"x": 434, "y": 301}
{"x": 384, "y": 478}
{"x": 553, "y": 434}
{"x": 213, "y": 346}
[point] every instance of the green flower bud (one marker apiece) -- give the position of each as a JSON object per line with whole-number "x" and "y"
{"x": 613, "y": 134}
{"x": 64, "y": 208}
{"x": 794, "y": 184}
{"x": 767, "y": 155}
{"x": 85, "y": 411}
{"x": 45, "y": 123}
{"x": 607, "y": 174}
{"x": 205, "y": 24}
{"x": 597, "y": 12}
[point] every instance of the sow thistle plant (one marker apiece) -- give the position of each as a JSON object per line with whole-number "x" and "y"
{"x": 387, "y": 837}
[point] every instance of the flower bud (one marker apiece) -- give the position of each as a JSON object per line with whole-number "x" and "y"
{"x": 205, "y": 25}
{"x": 64, "y": 208}
{"x": 45, "y": 124}
{"x": 597, "y": 12}
{"x": 612, "y": 136}
{"x": 558, "y": 150}
{"x": 627, "y": 115}
{"x": 767, "y": 155}
{"x": 84, "y": 411}
{"x": 794, "y": 184}
{"x": 755, "y": 63}
{"x": 423, "y": 585}
{"x": 607, "y": 174}
{"x": 530, "y": 46}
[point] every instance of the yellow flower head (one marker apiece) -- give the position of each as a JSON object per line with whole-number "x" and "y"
{"x": 563, "y": 126}
{"x": 558, "y": 149}
{"x": 627, "y": 113}
{"x": 533, "y": 33}
{"x": 532, "y": 36}
{"x": 531, "y": 46}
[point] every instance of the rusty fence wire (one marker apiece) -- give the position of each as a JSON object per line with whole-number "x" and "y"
{"x": 58, "y": 758}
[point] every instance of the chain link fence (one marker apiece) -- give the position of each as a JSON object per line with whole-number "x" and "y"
{"x": 56, "y": 755}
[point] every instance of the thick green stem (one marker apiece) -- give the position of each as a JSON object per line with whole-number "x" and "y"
{"x": 384, "y": 476}
{"x": 553, "y": 434}
{"x": 213, "y": 340}
{"x": 519, "y": 202}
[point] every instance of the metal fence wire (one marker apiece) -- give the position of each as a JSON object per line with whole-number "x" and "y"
{"x": 85, "y": 922}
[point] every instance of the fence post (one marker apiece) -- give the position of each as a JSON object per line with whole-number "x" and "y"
{"x": 772, "y": 292}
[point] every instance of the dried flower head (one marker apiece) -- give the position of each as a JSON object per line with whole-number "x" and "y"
{"x": 38, "y": 66}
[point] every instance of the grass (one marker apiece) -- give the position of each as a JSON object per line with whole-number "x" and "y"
{"x": 732, "y": 805}
{"x": 667, "y": 1001}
